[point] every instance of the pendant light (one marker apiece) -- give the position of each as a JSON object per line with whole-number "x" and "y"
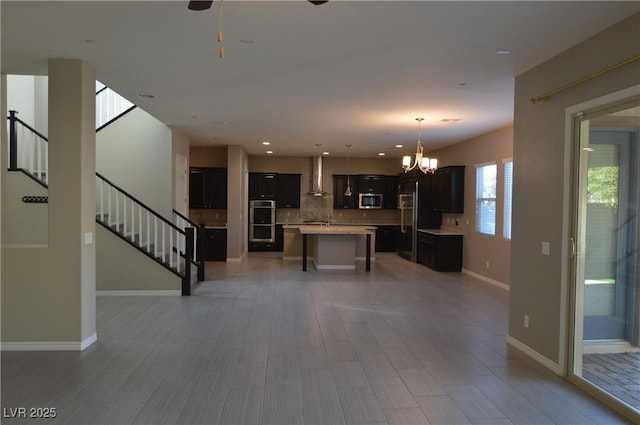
{"x": 425, "y": 164}
{"x": 348, "y": 191}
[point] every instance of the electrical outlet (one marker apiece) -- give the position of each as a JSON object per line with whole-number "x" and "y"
{"x": 526, "y": 321}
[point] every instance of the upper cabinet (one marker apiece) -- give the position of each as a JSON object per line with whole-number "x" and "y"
{"x": 288, "y": 194}
{"x": 371, "y": 184}
{"x": 208, "y": 188}
{"x": 263, "y": 186}
{"x": 340, "y": 200}
{"x": 387, "y": 186}
{"x": 390, "y": 200}
{"x": 448, "y": 189}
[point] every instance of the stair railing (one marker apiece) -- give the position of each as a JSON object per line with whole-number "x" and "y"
{"x": 141, "y": 226}
{"x": 33, "y": 155}
{"x": 172, "y": 246}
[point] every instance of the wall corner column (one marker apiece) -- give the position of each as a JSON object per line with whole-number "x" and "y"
{"x": 72, "y": 168}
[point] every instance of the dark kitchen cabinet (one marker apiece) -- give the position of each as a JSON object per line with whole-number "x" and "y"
{"x": 208, "y": 188}
{"x": 448, "y": 188}
{"x": 442, "y": 252}
{"x": 340, "y": 200}
{"x": 263, "y": 186}
{"x": 386, "y": 238}
{"x": 371, "y": 184}
{"x": 390, "y": 194}
{"x": 215, "y": 244}
{"x": 288, "y": 193}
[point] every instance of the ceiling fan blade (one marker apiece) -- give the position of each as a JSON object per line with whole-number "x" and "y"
{"x": 200, "y": 5}
{"x": 317, "y": 2}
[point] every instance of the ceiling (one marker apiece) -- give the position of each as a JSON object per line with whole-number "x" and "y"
{"x": 297, "y": 75}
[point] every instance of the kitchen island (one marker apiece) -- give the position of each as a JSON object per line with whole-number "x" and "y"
{"x": 334, "y": 246}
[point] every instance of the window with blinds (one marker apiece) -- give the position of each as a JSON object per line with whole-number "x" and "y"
{"x": 486, "y": 182}
{"x": 508, "y": 190}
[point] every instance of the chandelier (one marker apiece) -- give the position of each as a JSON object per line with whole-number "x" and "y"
{"x": 425, "y": 164}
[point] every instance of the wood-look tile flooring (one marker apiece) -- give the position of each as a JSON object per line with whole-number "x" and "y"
{"x": 262, "y": 342}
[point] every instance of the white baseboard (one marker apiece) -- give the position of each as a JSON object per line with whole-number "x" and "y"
{"x": 48, "y": 345}
{"x": 365, "y": 258}
{"x": 549, "y": 364}
{"x": 486, "y": 279}
{"x": 140, "y": 293}
{"x": 335, "y": 267}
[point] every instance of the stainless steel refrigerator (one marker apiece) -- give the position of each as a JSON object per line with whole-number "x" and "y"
{"x": 415, "y": 202}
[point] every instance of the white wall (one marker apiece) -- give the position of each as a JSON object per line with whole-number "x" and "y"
{"x": 135, "y": 153}
{"x": 21, "y": 97}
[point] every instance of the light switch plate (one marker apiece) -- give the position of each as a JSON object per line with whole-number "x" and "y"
{"x": 546, "y": 248}
{"x": 88, "y": 238}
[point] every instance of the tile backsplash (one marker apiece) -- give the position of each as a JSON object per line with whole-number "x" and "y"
{"x": 209, "y": 217}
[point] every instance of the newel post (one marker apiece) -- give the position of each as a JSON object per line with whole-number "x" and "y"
{"x": 188, "y": 256}
{"x": 13, "y": 141}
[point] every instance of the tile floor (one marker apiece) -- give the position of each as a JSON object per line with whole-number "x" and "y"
{"x": 265, "y": 343}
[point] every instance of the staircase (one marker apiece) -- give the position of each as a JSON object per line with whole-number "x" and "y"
{"x": 171, "y": 244}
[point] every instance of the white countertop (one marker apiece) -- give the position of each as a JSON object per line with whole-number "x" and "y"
{"x": 334, "y": 229}
{"x": 440, "y": 232}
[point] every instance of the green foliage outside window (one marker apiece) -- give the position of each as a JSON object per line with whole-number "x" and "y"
{"x": 602, "y": 186}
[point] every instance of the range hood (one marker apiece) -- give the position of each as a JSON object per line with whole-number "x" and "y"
{"x": 316, "y": 177}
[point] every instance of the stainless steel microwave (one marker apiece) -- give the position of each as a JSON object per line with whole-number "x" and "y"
{"x": 368, "y": 201}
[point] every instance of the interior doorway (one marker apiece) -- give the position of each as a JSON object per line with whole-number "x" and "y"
{"x": 605, "y": 275}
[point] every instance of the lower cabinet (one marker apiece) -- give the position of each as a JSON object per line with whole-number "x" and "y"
{"x": 440, "y": 251}
{"x": 215, "y": 244}
{"x": 386, "y": 238}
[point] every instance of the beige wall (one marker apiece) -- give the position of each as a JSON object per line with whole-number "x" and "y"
{"x": 121, "y": 267}
{"x": 24, "y": 223}
{"x": 478, "y": 249}
{"x": 214, "y": 156}
{"x": 541, "y": 176}
{"x": 237, "y": 207}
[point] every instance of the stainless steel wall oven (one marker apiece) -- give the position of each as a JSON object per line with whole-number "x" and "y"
{"x": 262, "y": 221}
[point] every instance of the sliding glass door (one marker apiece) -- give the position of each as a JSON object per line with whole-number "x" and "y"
{"x": 606, "y": 356}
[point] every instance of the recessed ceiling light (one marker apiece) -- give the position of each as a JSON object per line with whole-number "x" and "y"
{"x": 90, "y": 41}
{"x": 381, "y": 153}
{"x": 399, "y": 146}
{"x": 450, "y": 120}
{"x": 325, "y": 153}
{"x": 462, "y": 84}
{"x": 266, "y": 143}
{"x": 221, "y": 122}
{"x": 146, "y": 96}
{"x": 269, "y": 152}
{"x": 503, "y": 52}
